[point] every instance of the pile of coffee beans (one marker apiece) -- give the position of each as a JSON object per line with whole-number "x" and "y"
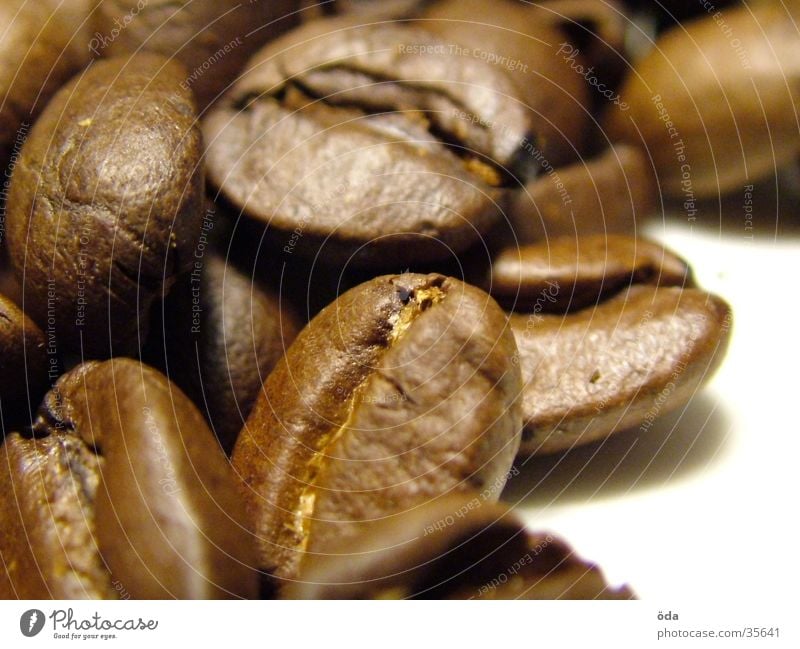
{"x": 288, "y": 290}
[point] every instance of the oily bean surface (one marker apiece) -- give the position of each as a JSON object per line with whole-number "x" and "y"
{"x": 410, "y": 150}
{"x": 105, "y": 202}
{"x": 403, "y": 388}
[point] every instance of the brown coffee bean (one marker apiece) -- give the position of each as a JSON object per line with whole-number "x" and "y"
{"x": 128, "y": 466}
{"x": 105, "y": 202}
{"x": 566, "y": 274}
{"x": 24, "y": 364}
{"x": 43, "y": 44}
{"x": 456, "y": 547}
{"x": 48, "y": 547}
{"x": 403, "y": 388}
{"x": 607, "y": 194}
{"x": 617, "y": 365}
{"x": 412, "y": 146}
{"x": 212, "y": 39}
{"x": 225, "y": 333}
{"x": 716, "y": 112}
{"x": 539, "y": 47}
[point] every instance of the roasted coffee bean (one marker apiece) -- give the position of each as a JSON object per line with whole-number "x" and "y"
{"x": 402, "y": 389}
{"x": 106, "y": 201}
{"x": 616, "y": 365}
{"x": 212, "y": 39}
{"x": 42, "y": 46}
{"x": 540, "y": 47}
{"x": 225, "y": 332}
{"x": 23, "y": 363}
{"x": 566, "y": 274}
{"x": 122, "y": 483}
{"x": 456, "y": 547}
{"x": 411, "y": 146}
{"x": 716, "y": 113}
{"x": 607, "y": 194}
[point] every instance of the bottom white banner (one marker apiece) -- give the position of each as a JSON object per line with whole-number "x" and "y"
{"x": 391, "y": 624}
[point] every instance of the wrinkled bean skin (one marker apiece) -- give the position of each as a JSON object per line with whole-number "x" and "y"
{"x": 48, "y": 546}
{"x": 529, "y": 39}
{"x": 406, "y": 167}
{"x": 566, "y": 274}
{"x": 105, "y": 203}
{"x": 402, "y": 388}
{"x": 610, "y": 367}
{"x": 143, "y": 496}
{"x": 455, "y": 547}
{"x": 212, "y": 39}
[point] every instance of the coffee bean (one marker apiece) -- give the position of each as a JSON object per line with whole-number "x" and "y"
{"x": 566, "y": 274}
{"x": 411, "y": 147}
{"x": 42, "y": 46}
{"x": 616, "y": 365}
{"x": 212, "y": 39}
{"x": 138, "y": 494}
{"x": 106, "y": 201}
{"x": 403, "y": 388}
{"x": 607, "y": 194}
{"x": 456, "y": 547}
{"x": 225, "y": 332}
{"x": 522, "y": 41}
{"x": 24, "y": 364}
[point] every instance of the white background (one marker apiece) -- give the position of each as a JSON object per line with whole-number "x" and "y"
{"x": 703, "y": 507}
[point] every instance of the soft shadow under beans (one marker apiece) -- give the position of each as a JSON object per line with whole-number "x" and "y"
{"x": 675, "y": 447}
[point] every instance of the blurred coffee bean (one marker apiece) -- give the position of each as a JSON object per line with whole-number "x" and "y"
{"x": 620, "y": 364}
{"x": 402, "y": 389}
{"x": 137, "y": 494}
{"x": 545, "y": 49}
{"x": 607, "y": 194}
{"x": 24, "y": 365}
{"x": 714, "y": 103}
{"x": 105, "y": 203}
{"x": 224, "y": 333}
{"x": 213, "y": 40}
{"x": 456, "y": 547}
{"x": 576, "y": 273}
{"x": 412, "y": 147}
{"x": 43, "y": 44}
